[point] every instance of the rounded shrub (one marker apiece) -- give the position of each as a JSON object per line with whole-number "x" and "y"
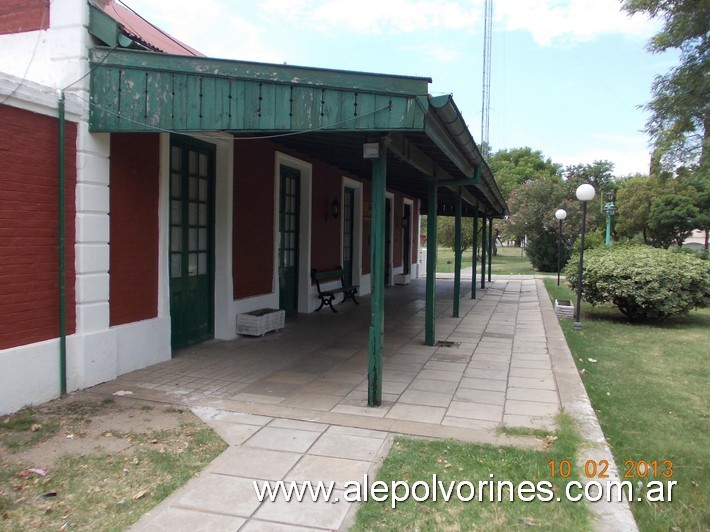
{"x": 645, "y": 283}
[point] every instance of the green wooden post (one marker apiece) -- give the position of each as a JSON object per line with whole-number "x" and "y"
{"x": 457, "y": 257}
{"x": 490, "y": 248}
{"x": 431, "y": 243}
{"x": 475, "y": 255}
{"x": 377, "y": 275}
{"x": 483, "y": 252}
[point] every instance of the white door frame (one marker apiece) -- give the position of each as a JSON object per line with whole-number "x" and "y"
{"x": 304, "y": 236}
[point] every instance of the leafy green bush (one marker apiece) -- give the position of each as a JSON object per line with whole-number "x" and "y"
{"x": 542, "y": 251}
{"x": 594, "y": 239}
{"x": 645, "y": 283}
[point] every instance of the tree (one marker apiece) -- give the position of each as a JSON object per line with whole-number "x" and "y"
{"x": 679, "y": 205}
{"x": 701, "y": 184}
{"x": 446, "y": 232}
{"x": 599, "y": 174}
{"x": 671, "y": 219}
{"x": 679, "y": 125}
{"x": 515, "y": 166}
{"x": 633, "y": 203}
{"x": 532, "y": 207}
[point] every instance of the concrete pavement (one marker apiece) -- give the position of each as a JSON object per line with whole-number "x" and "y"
{"x": 292, "y": 405}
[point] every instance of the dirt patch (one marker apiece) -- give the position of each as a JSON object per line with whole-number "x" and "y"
{"x": 85, "y": 425}
{"x": 93, "y": 462}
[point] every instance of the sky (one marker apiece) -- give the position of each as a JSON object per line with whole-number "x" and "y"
{"x": 567, "y": 76}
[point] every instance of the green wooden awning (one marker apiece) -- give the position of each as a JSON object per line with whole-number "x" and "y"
{"x": 328, "y": 113}
{"x": 139, "y": 91}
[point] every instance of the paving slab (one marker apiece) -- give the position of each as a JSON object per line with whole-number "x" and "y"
{"x": 280, "y": 439}
{"x": 255, "y": 462}
{"x": 220, "y": 494}
{"x": 173, "y": 518}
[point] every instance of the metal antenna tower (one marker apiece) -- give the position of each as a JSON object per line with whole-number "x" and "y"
{"x": 486, "y": 103}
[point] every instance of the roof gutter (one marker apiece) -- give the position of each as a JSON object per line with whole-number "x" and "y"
{"x": 445, "y": 126}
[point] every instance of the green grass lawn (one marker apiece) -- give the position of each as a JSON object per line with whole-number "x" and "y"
{"x": 509, "y": 261}
{"x": 413, "y": 461}
{"x": 649, "y": 387}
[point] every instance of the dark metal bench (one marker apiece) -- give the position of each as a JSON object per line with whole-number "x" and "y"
{"x": 328, "y": 296}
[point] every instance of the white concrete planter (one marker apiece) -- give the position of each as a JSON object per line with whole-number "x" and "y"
{"x": 259, "y": 322}
{"x": 402, "y": 278}
{"x": 564, "y": 308}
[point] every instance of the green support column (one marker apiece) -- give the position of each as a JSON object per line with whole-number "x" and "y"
{"x": 483, "y": 252}
{"x": 457, "y": 257}
{"x": 490, "y": 248}
{"x": 475, "y": 255}
{"x": 377, "y": 275}
{"x": 431, "y": 243}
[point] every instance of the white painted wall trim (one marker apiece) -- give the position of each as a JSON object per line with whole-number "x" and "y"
{"x": 390, "y": 250}
{"x": 306, "y": 298}
{"x": 357, "y": 226}
{"x": 56, "y": 57}
{"x": 365, "y": 285}
{"x": 224, "y": 323}
{"x": 142, "y": 343}
{"x": 224, "y": 314}
{"x": 164, "y": 228}
{"x": 409, "y": 233}
{"x": 416, "y": 267}
{"x": 37, "y": 98}
{"x": 29, "y": 375}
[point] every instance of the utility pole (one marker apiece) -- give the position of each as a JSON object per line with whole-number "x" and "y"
{"x": 486, "y": 103}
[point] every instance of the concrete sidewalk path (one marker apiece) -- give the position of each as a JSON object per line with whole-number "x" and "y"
{"x": 293, "y": 405}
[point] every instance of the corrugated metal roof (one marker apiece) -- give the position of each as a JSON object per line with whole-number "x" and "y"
{"x": 142, "y": 31}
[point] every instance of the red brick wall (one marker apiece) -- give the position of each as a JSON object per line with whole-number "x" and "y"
{"x": 253, "y": 231}
{"x": 397, "y": 231}
{"x": 326, "y": 232}
{"x": 17, "y": 16}
{"x": 135, "y": 177}
{"x": 253, "y": 223}
{"x": 414, "y": 224}
{"x": 29, "y": 285}
{"x": 366, "y": 226}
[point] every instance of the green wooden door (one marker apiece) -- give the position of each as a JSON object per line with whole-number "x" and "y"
{"x": 388, "y": 240}
{"x": 288, "y": 246}
{"x": 348, "y": 231}
{"x": 191, "y": 241}
{"x": 407, "y": 239}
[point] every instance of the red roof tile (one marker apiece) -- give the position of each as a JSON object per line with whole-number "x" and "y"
{"x": 139, "y": 29}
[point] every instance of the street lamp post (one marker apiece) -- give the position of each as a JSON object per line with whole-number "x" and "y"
{"x": 560, "y": 214}
{"x": 585, "y": 193}
{"x": 609, "y": 210}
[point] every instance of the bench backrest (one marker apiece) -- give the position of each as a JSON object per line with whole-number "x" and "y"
{"x": 327, "y": 275}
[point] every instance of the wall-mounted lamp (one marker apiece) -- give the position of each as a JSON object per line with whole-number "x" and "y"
{"x": 405, "y": 222}
{"x": 333, "y": 210}
{"x": 371, "y": 150}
